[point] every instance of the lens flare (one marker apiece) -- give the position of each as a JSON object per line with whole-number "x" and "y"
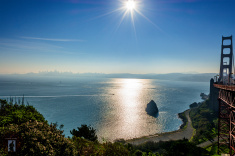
{"x": 133, "y": 9}
{"x": 130, "y": 5}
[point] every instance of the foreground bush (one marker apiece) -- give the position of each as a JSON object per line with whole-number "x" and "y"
{"x": 18, "y": 113}
{"x": 87, "y": 148}
{"x": 86, "y": 132}
{"x": 37, "y": 138}
{"x": 173, "y": 148}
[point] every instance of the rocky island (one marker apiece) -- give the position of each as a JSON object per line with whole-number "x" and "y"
{"x": 152, "y": 109}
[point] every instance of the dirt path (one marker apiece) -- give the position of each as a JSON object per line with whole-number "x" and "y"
{"x": 207, "y": 143}
{"x": 175, "y": 135}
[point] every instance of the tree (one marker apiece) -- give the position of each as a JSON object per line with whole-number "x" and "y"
{"x": 86, "y": 132}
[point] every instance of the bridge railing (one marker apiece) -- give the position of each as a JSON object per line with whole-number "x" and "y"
{"x": 227, "y": 79}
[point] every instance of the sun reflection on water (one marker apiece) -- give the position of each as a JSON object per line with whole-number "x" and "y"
{"x": 130, "y": 92}
{"x": 125, "y": 116}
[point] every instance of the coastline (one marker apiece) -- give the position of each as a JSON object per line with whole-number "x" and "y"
{"x": 184, "y": 119}
{"x": 185, "y": 131}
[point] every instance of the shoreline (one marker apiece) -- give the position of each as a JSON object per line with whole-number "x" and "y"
{"x": 184, "y": 119}
{"x": 185, "y": 131}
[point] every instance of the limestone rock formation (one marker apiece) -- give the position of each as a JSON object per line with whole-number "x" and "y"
{"x": 152, "y": 109}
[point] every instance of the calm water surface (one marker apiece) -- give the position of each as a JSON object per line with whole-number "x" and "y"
{"x": 115, "y": 107}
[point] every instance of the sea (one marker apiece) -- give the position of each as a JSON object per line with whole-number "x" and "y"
{"x": 115, "y": 107}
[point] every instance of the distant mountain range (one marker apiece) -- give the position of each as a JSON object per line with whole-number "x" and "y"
{"x": 199, "y": 77}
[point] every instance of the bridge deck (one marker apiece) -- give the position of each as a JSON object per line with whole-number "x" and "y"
{"x": 225, "y": 87}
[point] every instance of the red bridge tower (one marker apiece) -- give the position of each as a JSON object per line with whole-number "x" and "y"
{"x": 226, "y": 123}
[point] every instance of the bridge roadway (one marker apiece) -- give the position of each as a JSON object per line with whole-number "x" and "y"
{"x": 225, "y": 87}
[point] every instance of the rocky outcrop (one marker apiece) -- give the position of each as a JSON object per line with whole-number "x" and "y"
{"x": 152, "y": 109}
{"x": 204, "y": 96}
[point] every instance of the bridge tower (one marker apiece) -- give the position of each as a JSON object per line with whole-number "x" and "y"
{"x": 226, "y": 61}
{"x": 226, "y": 115}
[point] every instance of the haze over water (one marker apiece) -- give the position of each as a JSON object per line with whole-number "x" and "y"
{"x": 113, "y": 106}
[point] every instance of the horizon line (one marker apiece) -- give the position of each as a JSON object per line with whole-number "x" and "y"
{"x": 74, "y": 73}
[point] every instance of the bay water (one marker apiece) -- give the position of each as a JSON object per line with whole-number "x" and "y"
{"x": 115, "y": 107}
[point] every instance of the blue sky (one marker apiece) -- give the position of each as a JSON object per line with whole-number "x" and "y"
{"x": 83, "y": 36}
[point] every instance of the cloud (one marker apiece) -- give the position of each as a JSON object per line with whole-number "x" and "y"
{"x": 52, "y": 39}
{"x": 85, "y": 1}
{"x": 10, "y": 45}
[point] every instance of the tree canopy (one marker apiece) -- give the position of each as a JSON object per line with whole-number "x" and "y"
{"x": 86, "y": 132}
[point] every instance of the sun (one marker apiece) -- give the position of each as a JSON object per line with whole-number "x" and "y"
{"x": 130, "y": 5}
{"x": 133, "y": 9}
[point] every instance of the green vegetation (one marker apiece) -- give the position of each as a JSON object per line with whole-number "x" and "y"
{"x": 34, "y": 135}
{"x": 204, "y": 120}
{"x": 18, "y": 113}
{"x": 86, "y": 132}
{"x": 87, "y": 147}
{"x": 37, "y": 138}
{"x": 212, "y": 149}
{"x": 173, "y": 148}
{"x": 183, "y": 117}
{"x": 193, "y": 105}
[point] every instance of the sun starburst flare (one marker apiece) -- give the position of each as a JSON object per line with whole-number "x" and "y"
{"x": 130, "y": 8}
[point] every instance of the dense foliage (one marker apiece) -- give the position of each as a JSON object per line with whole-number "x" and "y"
{"x": 37, "y": 138}
{"x": 173, "y": 148}
{"x": 213, "y": 149}
{"x": 34, "y": 135}
{"x": 87, "y": 148}
{"x": 17, "y": 113}
{"x": 205, "y": 121}
{"x": 86, "y": 132}
{"x": 193, "y": 105}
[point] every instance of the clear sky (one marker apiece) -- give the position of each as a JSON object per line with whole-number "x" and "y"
{"x": 103, "y": 36}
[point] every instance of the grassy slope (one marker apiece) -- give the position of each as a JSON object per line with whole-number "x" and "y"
{"x": 204, "y": 120}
